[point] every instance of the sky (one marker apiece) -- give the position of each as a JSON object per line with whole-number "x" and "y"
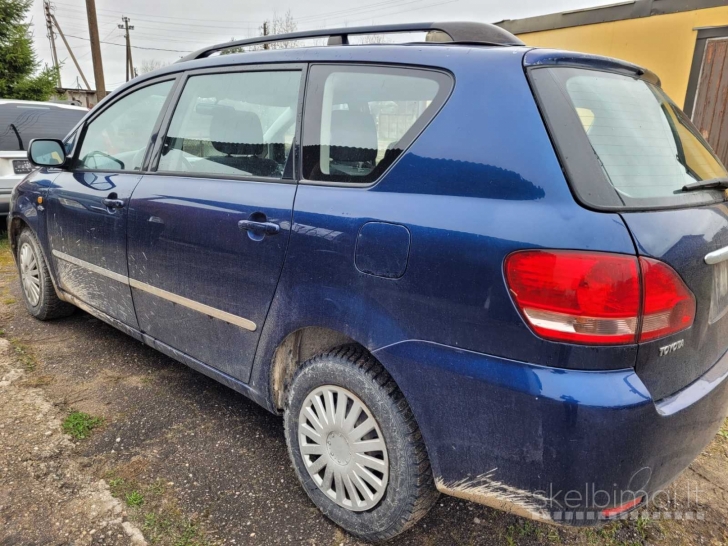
{"x": 164, "y": 30}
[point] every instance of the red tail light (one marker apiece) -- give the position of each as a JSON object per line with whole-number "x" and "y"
{"x": 597, "y": 298}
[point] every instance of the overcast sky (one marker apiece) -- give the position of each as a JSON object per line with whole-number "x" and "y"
{"x": 187, "y": 25}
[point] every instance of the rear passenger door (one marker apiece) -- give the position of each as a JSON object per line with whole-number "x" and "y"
{"x": 209, "y": 226}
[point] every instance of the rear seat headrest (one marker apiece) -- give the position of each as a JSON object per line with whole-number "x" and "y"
{"x": 235, "y": 132}
{"x": 353, "y": 136}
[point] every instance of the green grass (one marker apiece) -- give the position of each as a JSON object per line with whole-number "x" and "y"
{"x": 25, "y": 355}
{"x": 79, "y": 424}
{"x": 134, "y": 498}
{"x": 6, "y": 257}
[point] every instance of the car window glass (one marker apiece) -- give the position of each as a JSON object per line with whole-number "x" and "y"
{"x": 22, "y": 122}
{"x": 118, "y": 138}
{"x": 646, "y": 145}
{"x": 363, "y": 118}
{"x": 240, "y": 123}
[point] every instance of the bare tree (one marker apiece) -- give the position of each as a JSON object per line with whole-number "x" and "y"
{"x": 150, "y": 65}
{"x": 280, "y": 24}
{"x": 371, "y": 39}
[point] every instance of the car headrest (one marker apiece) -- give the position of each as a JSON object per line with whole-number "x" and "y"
{"x": 234, "y": 132}
{"x": 353, "y": 136}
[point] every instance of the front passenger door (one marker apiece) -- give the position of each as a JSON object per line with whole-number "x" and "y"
{"x": 87, "y": 206}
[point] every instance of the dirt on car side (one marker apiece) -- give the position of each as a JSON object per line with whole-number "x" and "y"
{"x": 105, "y": 441}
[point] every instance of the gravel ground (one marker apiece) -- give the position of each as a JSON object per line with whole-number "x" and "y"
{"x": 180, "y": 460}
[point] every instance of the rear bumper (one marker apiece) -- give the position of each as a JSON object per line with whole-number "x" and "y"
{"x": 551, "y": 444}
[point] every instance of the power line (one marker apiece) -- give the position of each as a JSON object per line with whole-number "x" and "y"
{"x": 124, "y": 45}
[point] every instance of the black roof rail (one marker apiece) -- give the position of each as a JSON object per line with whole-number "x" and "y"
{"x": 458, "y": 32}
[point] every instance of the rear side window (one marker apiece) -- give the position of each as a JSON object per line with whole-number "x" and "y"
{"x": 643, "y": 147}
{"x": 21, "y": 123}
{"x": 240, "y": 123}
{"x": 358, "y": 120}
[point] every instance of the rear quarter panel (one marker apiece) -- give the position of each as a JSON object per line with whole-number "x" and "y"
{"x": 481, "y": 181}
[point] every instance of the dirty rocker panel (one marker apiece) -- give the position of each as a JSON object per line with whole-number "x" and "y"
{"x": 191, "y": 304}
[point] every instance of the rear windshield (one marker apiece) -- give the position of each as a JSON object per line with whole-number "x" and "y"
{"x": 643, "y": 146}
{"x": 21, "y": 123}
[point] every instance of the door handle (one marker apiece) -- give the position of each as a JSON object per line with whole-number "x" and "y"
{"x": 266, "y": 228}
{"x": 113, "y": 203}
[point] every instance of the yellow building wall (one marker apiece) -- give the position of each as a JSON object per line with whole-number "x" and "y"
{"x": 661, "y": 43}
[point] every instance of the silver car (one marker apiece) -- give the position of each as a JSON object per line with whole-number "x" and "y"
{"x": 20, "y": 122}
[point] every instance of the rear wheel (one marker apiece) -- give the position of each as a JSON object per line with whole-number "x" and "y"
{"x": 39, "y": 294}
{"x": 355, "y": 445}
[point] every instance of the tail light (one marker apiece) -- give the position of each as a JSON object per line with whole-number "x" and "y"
{"x": 598, "y": 298}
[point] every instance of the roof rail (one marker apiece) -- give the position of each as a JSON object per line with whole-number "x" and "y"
{"x": 458, "y": 32}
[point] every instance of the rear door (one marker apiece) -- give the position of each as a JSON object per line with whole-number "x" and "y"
{"x": 86, "y": 207}
{"x": 627, "y": 148}
{"x": 210, "y": 226}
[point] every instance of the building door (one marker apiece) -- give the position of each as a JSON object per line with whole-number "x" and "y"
{"x": 710, "y": 115}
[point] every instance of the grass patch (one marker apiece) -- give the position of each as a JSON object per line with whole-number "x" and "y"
{"x": 37, "y": 381}
{"x": 723, "y": 432}
{"x": 134, "y": 498}
{"x": 156, "y": 511}
{"x": 9, "y": 301}
{"x": 25, "y": 355}
{"x": 6, "y": 256}
{"x": 79, "y": 424}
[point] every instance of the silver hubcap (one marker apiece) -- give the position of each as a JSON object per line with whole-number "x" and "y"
{"x": 343, "y": 448}
{"x": 29, "y": 274}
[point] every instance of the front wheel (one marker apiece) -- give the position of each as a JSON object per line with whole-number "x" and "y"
{"x": 355, "y": 445}
{"x": 39, "y": 294}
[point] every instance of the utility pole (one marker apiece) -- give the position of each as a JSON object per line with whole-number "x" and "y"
{"x": 70, "y": 51}
{"x": 129, "y": 64}
{"x": 52, "y": 38}
{"x": 93, "y": 31}
{"x": 265, "y": 33}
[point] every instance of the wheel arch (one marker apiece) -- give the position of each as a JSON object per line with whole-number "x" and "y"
{"x": 295, "y": 349}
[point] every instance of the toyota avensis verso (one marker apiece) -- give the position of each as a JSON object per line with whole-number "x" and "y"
{"x": 470, "y": 267}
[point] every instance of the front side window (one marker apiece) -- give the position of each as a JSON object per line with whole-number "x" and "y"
{"x": 359, "y": 119}
{"x": 117, "y": 139}
{"x": 237, "y": 123}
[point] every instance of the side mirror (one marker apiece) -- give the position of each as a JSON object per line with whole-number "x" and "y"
{"x": 46, "y": 152}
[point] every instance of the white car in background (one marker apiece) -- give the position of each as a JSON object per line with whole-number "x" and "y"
{"x": 20, "y": 122}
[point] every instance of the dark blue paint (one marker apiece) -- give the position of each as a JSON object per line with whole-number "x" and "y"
{"x": 682, "y": 238}
{"x": 481, "y": 182}
{"x": 184, "y": 238}
{"x": 79, "y": 224}
{"x": 382, "y": 250}
{"x": 545, "y": 429}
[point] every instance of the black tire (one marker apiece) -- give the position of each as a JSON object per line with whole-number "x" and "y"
{"x": 49, "y": 306}
{"x": 410, "y": 491}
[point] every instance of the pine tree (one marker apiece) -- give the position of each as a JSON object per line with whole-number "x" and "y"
{"x": 19, "y": 74}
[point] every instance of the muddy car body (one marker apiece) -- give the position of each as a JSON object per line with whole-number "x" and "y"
{"x": 521, "y": 328}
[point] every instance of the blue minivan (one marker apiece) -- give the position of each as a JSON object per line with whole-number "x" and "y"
{"x": 456, "y": 265}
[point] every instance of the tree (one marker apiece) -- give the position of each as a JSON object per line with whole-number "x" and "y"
{"x": 280, "y": 24}
{"x": 19, "y": 74}
{"x": 150, "y": 65}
